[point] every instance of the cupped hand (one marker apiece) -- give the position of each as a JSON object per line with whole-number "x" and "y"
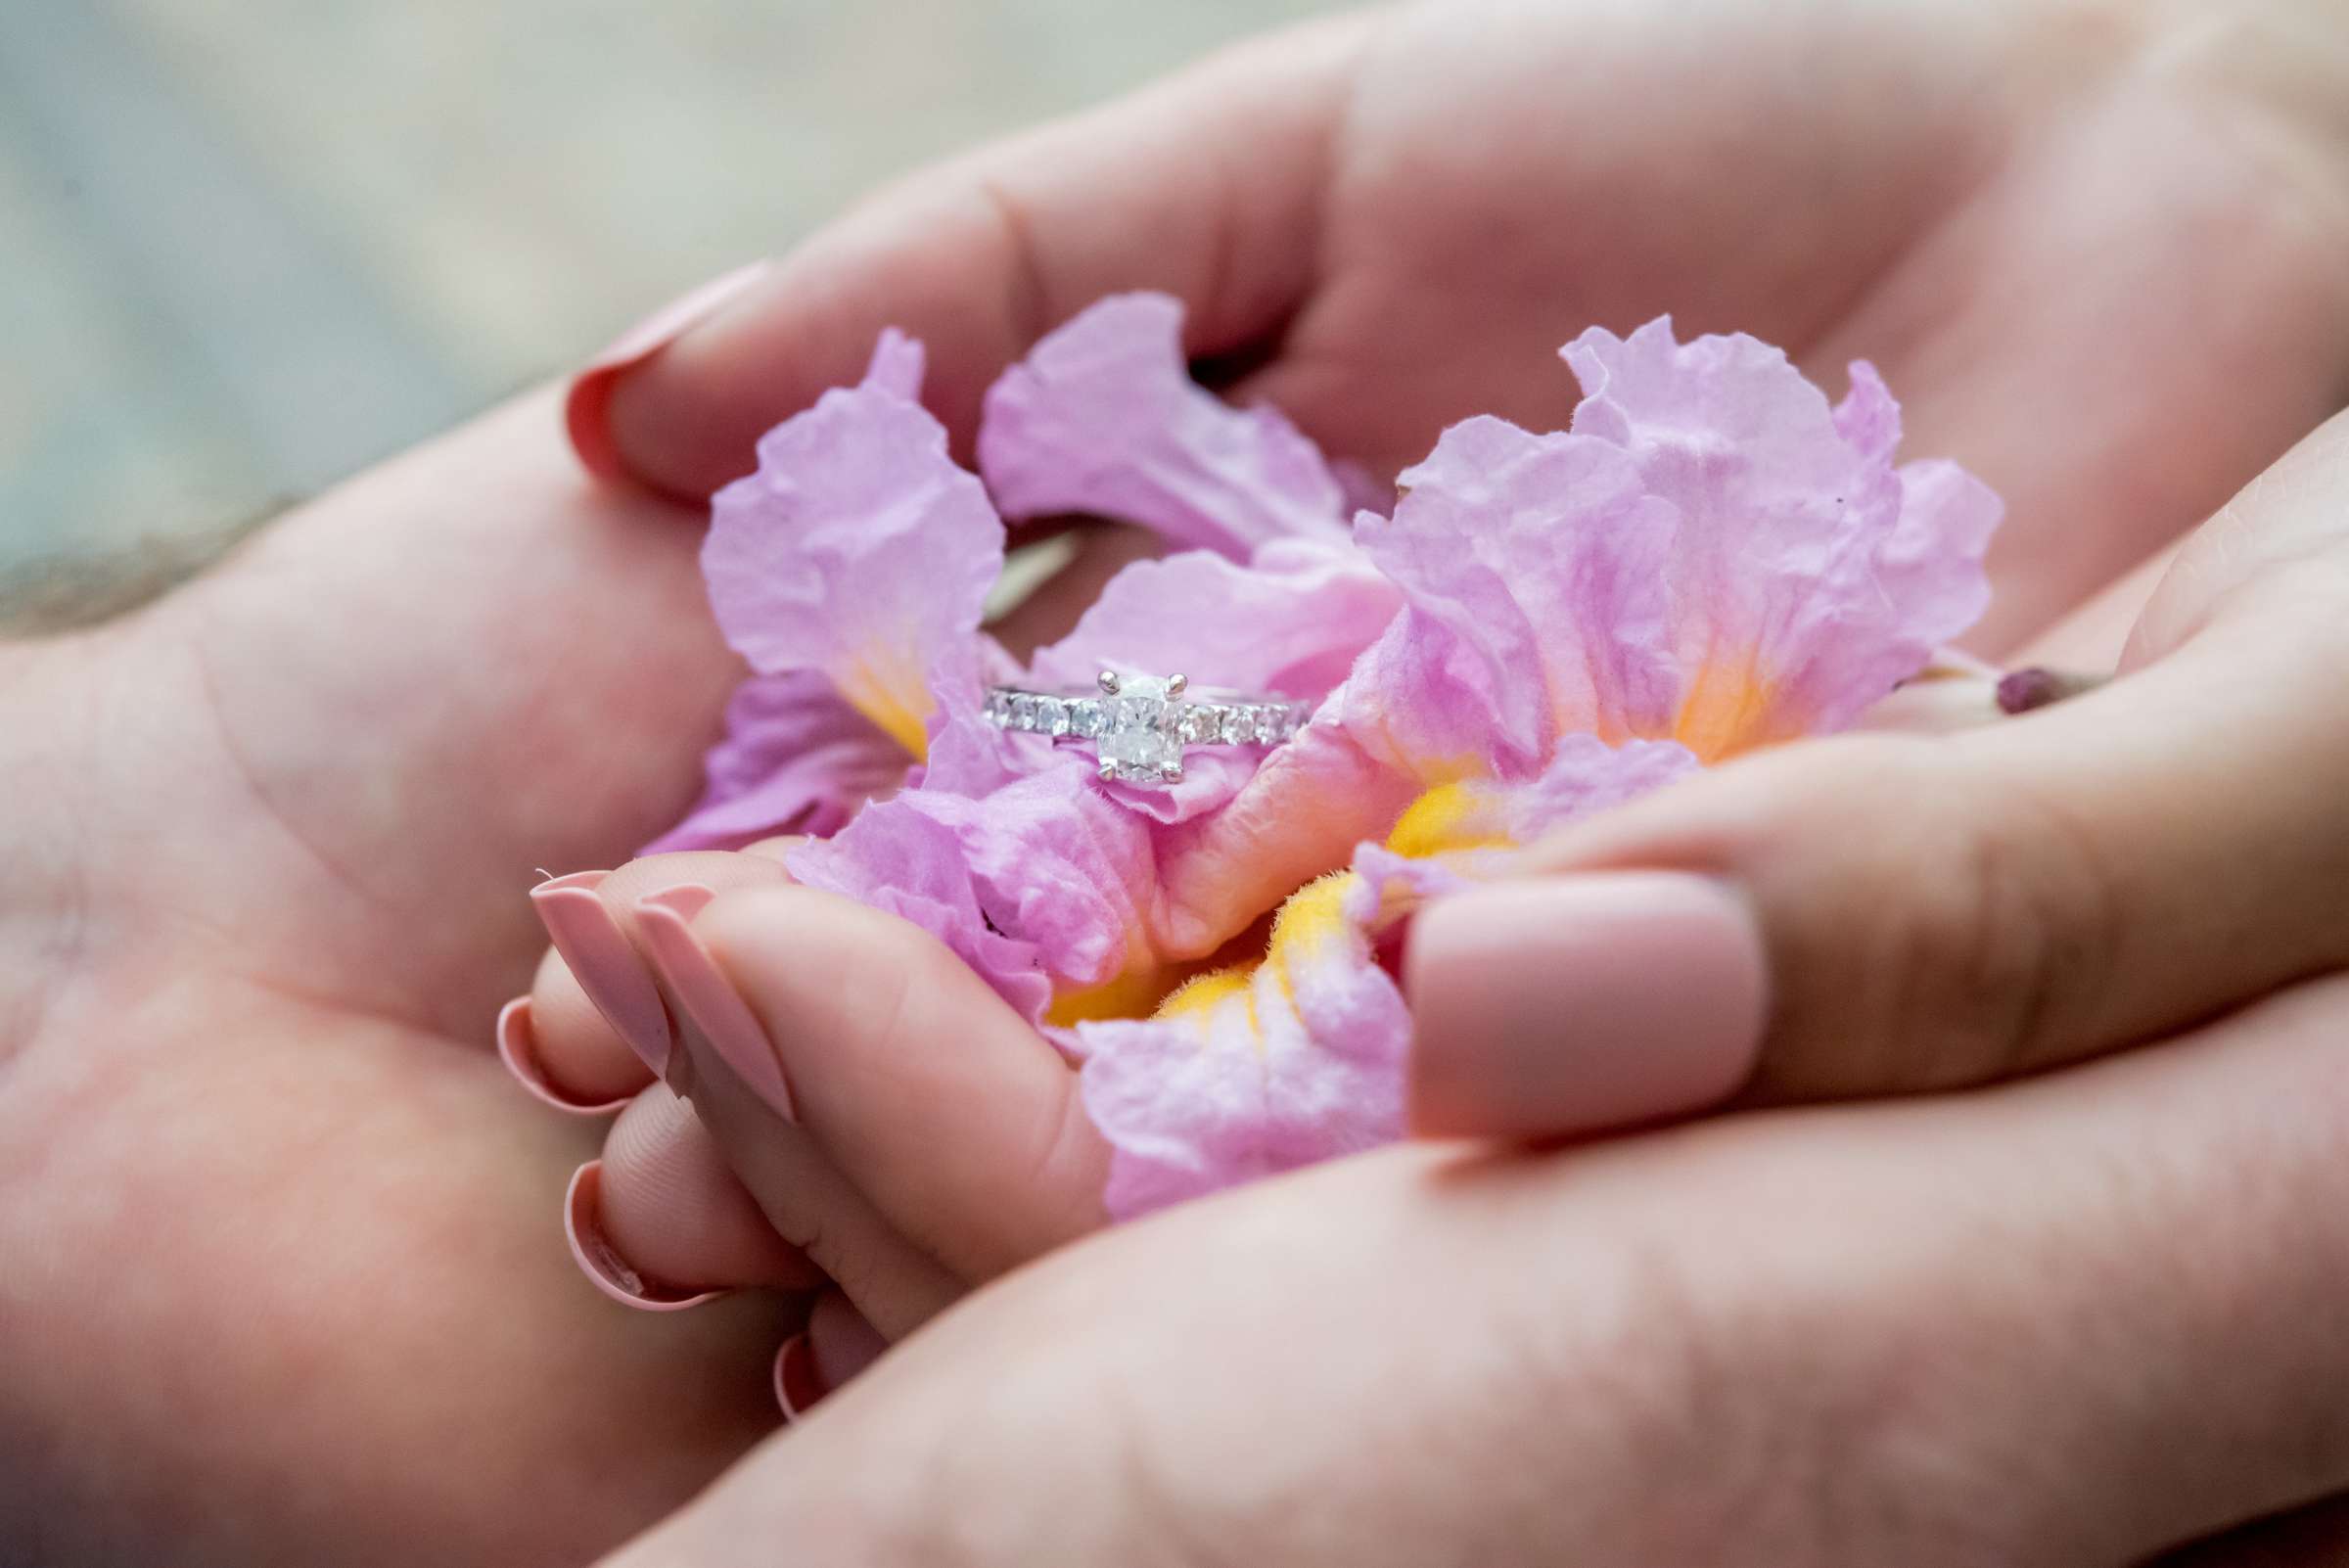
{"x": 2086, "y": 1319}
{"x": 1388, "y": 220}
{"x": 281, "y": 1280}
{"x": 1849, "y": 918}
{"x": 2094, "y": 247}
{"x": 2068, "y": 1324}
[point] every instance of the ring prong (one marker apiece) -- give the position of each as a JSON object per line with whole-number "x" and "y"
{"x": 1109, "y": 773}
{"x": 1108, "y": 681}
{"x": 1176, "y": 684}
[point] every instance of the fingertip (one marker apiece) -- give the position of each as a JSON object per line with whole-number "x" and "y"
{"x": 604, "y": 1265}
{"x": 570, "y": 1051}
{"x": 1566, "y": 1004}
{"x": 674, "y": 1209}
{"x": 517, "y": 1049}
{"x": 587, "y": 402}
{"x": 844, "y": 1341}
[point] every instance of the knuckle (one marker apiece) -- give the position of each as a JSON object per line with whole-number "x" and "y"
{"x": 1974, "y": 924}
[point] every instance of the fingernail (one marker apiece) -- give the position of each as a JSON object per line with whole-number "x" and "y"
{"x": 707, "y": 997}
{"x": 605, "y": 963}
{"x": 798, "y": 1388}
{"x": 587, "y": 407}
{"x": 601, "y": 1262}
{"x": 1569, "y": 1003}
{"x": 518, "y": 1049}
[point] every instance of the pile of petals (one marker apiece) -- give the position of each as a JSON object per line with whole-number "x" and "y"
{"x": 1711, "y": 558}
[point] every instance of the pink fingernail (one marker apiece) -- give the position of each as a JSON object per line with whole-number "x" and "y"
{"x": 1568, "y": 1003}
{"x": 798, "y": 1388}
{"x": 586, "y": 406}
{"x": 707, "y": 997}
{"x": 518, "y": 1049}
{"x": 601, "y": 1262}
{"x": 605, "y": 963}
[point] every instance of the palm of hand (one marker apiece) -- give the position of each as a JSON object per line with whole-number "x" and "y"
{"x": 292, "y": 1287}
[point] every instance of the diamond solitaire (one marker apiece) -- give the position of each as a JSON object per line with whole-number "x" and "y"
{"x": 1138, "y": 725}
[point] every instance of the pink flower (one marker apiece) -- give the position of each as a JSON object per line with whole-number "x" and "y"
{"x": 1710, "y": 558}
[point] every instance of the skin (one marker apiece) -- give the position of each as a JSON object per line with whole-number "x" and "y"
{"x": 284, "y": 1281}
{"x": 2076, "y": 1320}
{"x": 1388, "y": 220}
{"x": 285, "y": 1278}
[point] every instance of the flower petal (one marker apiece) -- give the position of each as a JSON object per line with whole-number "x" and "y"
{"x": 795, "y": 758}
{"x": 1103, "y": 418}
{"x": 1289, "y": 623}
{"x": 1541, "y": 558}
{"x": 1246, "y": 1074}
{"x": 1809, "y": 577}
{"x": 859, "y": 549}
{"x": 899, "y": 857}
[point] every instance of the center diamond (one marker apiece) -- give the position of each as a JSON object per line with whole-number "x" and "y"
{"x": 1142, "y": 730}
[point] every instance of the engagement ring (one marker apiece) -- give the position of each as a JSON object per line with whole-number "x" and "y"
{"x": 1138, "y": 725}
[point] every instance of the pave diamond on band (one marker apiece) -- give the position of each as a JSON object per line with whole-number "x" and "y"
{"x": 1139, "y": 724}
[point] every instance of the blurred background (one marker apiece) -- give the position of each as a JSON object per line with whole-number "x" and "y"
{"x": 248, "y": 246}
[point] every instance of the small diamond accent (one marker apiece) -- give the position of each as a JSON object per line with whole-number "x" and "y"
{"x": 1139, "y": 729}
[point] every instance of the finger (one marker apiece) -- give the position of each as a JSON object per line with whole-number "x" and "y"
{"x": 610, "y": 930}
{"x": 2069, "y": 1321}
{"x": 836, "y": 1345}
{"x": 1931, "y": 913}
{"x": 1204, "y": 187}
{"x": 600, "y": 1022}
{"x": 944, "y": 1109}
{"x": 672, "y": 1219}
{"x": 559, "y": 1048}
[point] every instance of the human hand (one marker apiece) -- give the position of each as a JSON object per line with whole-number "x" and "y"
{"x": 1116, "y": 201}
{"x": 280, "y": 1282}
{"x": 1921, "y": 913}
{"x": 2071, "y": 1322}
{"x": 2088, "y": 1319}
{"x": 2056, "y": 225}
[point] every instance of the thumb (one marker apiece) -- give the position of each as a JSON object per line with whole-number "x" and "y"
{"x": 1875, "y": 914}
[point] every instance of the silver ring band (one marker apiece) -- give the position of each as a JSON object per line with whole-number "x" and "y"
{"x": 1139, "y": 725}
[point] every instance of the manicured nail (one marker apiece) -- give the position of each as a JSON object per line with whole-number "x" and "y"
{"x": 798, "y": 1387}
{"x": 588, "y": 406}
{"x": 707, "y": 997}
{"x": 605, "y": 963}
{"x": 518, "y": 1049}
{"x": 601, "y": 1262}
{"x": 1567, "y": 1003}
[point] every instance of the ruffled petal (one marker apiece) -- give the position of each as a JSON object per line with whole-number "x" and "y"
{"x": 795, "y": 758}
{"x": 898, "y": 857}
{"x": 1103, "y": 418}
{"x": 1289, "y": 623}
{"x": 1248, "y": 1073}
{"x": 859, "y": 550}
{"x": 1586, "y": 775}
{"x": 1056, "y": 860}
{"x": 1542, "y": 557}
{"x": 1809, "y": 577}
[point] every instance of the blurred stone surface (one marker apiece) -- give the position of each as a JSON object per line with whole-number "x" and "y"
{"x": 245, "y": 245}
